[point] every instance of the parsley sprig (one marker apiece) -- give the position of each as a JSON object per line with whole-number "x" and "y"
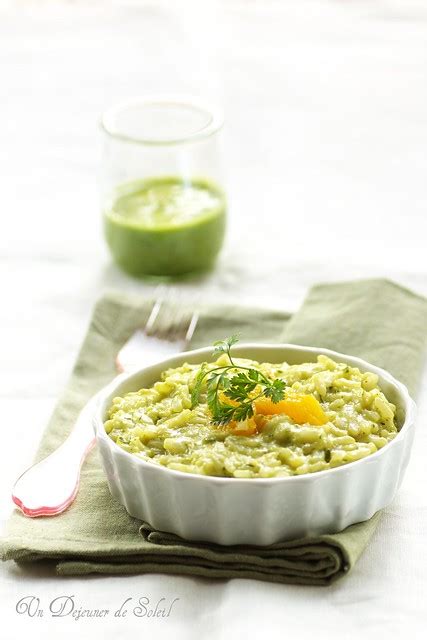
{"x": 238, "y": 384}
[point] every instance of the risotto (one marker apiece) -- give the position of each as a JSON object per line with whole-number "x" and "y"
{"x": 331, "y": 414}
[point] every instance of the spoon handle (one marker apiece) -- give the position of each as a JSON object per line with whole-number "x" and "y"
{"x": 50, "y": 486}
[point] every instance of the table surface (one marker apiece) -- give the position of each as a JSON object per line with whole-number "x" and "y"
{"x": 326, "y": 106}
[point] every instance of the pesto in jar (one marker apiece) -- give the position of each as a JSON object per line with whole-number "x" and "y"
{"x": 165, "y": 226}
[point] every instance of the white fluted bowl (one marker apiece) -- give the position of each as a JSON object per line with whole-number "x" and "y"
{"x": 257, "y": 511}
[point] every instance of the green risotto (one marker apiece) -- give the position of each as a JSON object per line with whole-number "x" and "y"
{"x": 331, "y": 414}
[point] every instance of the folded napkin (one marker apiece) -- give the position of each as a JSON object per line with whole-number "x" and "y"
{"x": 376, "y": 319}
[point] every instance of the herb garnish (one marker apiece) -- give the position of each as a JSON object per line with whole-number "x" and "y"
{"x": 240, "y": 385}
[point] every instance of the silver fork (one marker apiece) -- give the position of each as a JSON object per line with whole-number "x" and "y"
{"x": 164, "y": 334}
{"x": 50, "y": 486}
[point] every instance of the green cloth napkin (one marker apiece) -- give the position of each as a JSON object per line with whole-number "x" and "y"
{"x": 375, "y": 319}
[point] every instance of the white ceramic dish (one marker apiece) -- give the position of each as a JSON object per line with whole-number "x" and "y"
{"x": 257, "y": 511}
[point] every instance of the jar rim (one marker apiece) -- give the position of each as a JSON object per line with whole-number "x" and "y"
{"x": 214, "y": 123}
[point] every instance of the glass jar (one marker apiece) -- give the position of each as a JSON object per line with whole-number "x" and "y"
{"x": 164, "y": 206}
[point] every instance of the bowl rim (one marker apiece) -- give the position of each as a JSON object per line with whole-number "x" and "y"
{"x": 408, "y": 405}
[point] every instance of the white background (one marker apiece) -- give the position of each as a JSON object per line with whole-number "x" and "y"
{"x": 326, "y": 105}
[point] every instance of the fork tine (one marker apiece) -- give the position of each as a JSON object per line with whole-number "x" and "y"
{"x": 191, "y": 327}
{"x": 160, "y": 294}
{"x": 180, "y": 323}
{"x": 148, "y": 329}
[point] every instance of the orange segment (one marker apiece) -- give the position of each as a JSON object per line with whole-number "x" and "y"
{"x": 260, "y": 422}
{"x": 245, "y": 428}
{"x": 301, "y": 408}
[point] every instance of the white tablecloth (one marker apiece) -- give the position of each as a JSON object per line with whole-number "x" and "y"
{"x": 326, "y": 137}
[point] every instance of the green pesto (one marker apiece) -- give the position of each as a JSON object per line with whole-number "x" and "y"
{"x": 166, "y": 227}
